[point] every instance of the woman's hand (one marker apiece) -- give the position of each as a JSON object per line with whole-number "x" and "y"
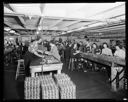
{"x": 46, "y": 52}
{"x": 40, "y": 51}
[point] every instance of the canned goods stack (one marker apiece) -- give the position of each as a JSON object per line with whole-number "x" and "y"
{"x": 67, "y": 88}
{"x": 61, "y": 77}
{"x": 49, "y": 88}
{"x": 32, "y": 88}
{"x": 45, "y": 77}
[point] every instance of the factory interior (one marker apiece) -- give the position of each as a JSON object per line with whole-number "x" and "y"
{"x": 64, "y": 51}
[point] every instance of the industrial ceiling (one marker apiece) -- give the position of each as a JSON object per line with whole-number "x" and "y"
{"x": 66, "y": 18}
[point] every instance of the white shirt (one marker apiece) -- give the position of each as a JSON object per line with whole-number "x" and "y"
{"x": 87, "y": 44}
{"x": 120, "y": 53}
{"x": 75, "y": 46}
{"x": 107, "y": 51}
{"x": 54, "y": 52}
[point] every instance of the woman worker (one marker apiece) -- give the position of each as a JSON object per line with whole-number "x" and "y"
{"x": 32, "y": 53}
{"x": 54, "y": 51}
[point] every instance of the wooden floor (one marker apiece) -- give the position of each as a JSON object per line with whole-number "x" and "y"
{"x": 93, "y": 85}
{"x": 90, "y": 85}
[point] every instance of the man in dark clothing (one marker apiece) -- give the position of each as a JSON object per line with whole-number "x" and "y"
{"x": 25, "y": 49}
{"x": 67, "y": 55}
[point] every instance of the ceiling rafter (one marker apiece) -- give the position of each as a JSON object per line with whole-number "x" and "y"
{"x": 42, "y": 8}
{"x": 66, "y": 18}
{"x": 79, "y": 25}
{"x": 10, "y": 25}
{"x": 40, "y": 21}
{"x": 14, "y": 14}
{"x": 6, "y": 22}
{"x": 57, "y": 22}
{"x": 8, "y": 6}
{"x": 69, "y": 24}
{"x": 109, "y": 9}
{"x": 110, "y": 28}
{"x": 19, "y": 17}
{"x": 104, "y": 26}
{"x": 22, "y": 20}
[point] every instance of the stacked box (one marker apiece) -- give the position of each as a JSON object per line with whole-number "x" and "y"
{"x": 49, "y": 88}
{"x": 67, "y": 88}
{"x": 61, "y": 77}
{"x": 32, "y": 88}
{"x": 50, "y": 92}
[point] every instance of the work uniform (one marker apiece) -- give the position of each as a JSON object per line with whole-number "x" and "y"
{"x": 120, "y": 53}
{"x": 107, "y": 51}
{"x": 54, "y": 51}
{"x": 29, "y": 56}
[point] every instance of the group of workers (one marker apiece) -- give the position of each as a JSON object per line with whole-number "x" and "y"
{"x": 62, "y": 50}
{"x": 13, "y": 50}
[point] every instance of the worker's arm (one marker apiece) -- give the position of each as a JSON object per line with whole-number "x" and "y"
{"x": 48, "y": 53}
{"x": 115, "y": 54}
{"x": 40, "y": 51}
{"x": 37, "y": 54}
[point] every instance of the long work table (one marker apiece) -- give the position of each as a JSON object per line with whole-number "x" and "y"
{"x": 37, "y": 66}
{"x": 103, "y": 59}
{"x": 117, "y": 66}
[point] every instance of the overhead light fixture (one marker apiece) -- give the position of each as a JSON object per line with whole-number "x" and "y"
{"x": 12, "y": 31}
{"x": 37, "y": 32}
{"x": 30, "y": 17}
{"x": 39, "y": 27}
{"x": 7, "y": 28}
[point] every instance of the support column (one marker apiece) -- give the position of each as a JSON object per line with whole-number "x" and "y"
{"x": 113, "y": 75}
{"x": 121, "y": 75}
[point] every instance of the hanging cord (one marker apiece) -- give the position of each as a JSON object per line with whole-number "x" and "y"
{"x": 43, "y": 61}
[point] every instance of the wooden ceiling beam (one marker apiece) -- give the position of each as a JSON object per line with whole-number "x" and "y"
{"x": 56, "y": 22}
{"x": 39, "y": 21}
{"x": 10, "y": 25}
{"x": 19, "y": 17}
{"x": 109, "y": 28}
{"x": 70, "y": 19}
{"x": 71, "y": 23}
{"x": 6, "y": 22}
